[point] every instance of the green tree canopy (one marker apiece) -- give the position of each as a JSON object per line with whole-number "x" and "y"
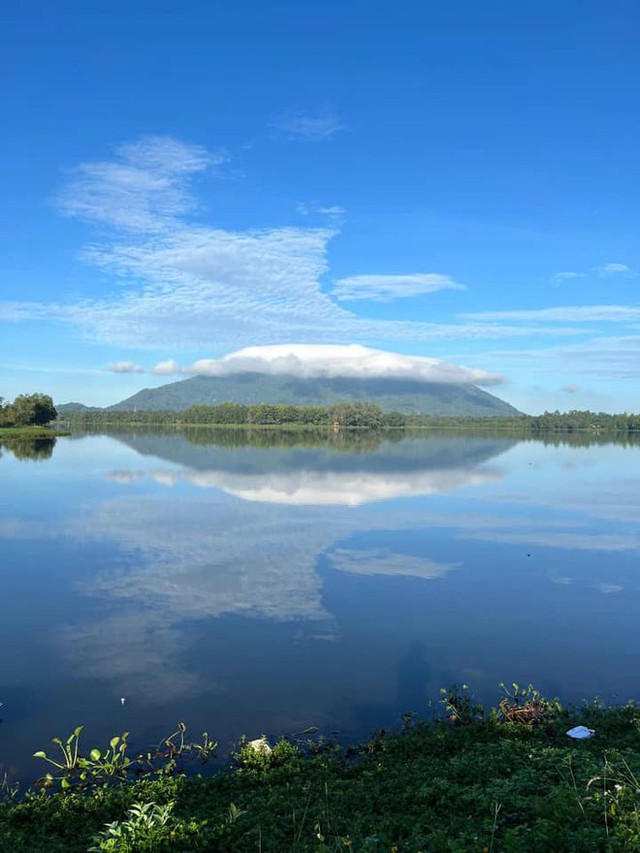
{"x": 28, "y": 410}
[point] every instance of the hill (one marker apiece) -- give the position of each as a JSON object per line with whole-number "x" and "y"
{"x": 410, "y": 397}
{"x": 70, "y": 408}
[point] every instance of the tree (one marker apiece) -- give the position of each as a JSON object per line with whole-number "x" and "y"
{"x": 29, "y": 410}
{"x": 366, "y": 415}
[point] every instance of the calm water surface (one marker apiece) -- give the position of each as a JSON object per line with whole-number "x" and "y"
{"x": 249, "y": 589}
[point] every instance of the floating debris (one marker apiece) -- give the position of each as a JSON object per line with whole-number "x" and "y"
{"x": 581, "y": 732}
{"x": 260, "y": 745}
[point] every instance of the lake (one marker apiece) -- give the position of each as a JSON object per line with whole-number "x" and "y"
{"x": 332, "y": 582}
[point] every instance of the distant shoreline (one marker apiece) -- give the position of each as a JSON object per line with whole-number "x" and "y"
{"x": 527, "y": 425}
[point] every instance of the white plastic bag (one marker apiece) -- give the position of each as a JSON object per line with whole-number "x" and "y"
{"x": 581, "y": 732}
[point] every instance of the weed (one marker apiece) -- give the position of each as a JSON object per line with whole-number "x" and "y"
{"x": 460, "y": 705}
{"x": 113, "y": 764}
{"x": 142, "y": 822}
{"x": 485, "y": 783}
{"x": 526, "y": 705}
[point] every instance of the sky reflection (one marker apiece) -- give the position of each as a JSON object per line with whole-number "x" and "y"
{"x": 261, "y": 567}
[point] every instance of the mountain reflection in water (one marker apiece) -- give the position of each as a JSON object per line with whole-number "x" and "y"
{"x": 203, "y": 555}
{"x": 250, "y": 583}
{"x": 343, "y": 475}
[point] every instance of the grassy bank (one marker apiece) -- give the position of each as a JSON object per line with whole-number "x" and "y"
{"x": 471, "y": 783}
{"x": 30, "y": 432}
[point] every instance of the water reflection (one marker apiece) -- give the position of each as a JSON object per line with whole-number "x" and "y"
{"x": 381, "y": 561}
{"x": 334, "y": 472}
{"x": 264, "y": 586}
{"x": 28, "y": 448}
{"x": 202, "y": 556}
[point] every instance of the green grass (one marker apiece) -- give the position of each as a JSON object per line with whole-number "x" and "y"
{"x": 29, "y": 432}
{"x": 486, "y": 786}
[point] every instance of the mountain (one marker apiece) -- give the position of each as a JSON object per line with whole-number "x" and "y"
{"x": 402, "y": 395}
{"x": 69, "y": 408}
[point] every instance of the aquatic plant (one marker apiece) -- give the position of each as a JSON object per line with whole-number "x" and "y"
{"x": 115, "y": 764}
{"x": 526, "y": 705}
{"x": 492, "y": 784}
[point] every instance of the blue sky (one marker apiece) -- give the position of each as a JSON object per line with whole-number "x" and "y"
{"x": 459, "y": 182}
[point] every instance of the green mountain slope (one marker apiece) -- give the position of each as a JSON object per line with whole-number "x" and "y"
{"x": 70, "y": 408}
{"x": 435, "y": 398}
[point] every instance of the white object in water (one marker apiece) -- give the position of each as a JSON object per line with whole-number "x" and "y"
{"x": 581, "y": 732}
{"x": 122, "y": 701}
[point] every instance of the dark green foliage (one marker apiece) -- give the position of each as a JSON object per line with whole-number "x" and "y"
{"x": 576, "y": 427}
{"x": 249, "y": 389}
{"x": 592, "y": 424}
{"x": 27, "y": 410}
{"x": 348, "y": 415}
{"x": 437, "y": 786}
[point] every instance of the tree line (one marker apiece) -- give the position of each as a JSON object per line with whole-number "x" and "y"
{"x": 550, "y": 422}
{"x": 361, "y": 415}
{"x": 27, "y": 410}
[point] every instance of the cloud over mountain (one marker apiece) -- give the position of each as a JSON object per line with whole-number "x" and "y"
{"x": 352, "y": 361}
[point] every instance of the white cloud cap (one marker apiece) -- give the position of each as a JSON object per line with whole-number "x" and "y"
{"x": 350, "y": 361}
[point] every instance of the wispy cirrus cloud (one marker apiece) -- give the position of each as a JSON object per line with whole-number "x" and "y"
{"x": 310, "y": 127}
{"x": 17, "y": 312}
{"x": 141, "y": 189}
{"x": 603, "y": 357}
{"x": 334, "y": 212}
{"x": 603, "y": 271}
{"x": 386, "y": 288}
{"x": 607, "y": 270}
{"x": 185, "y": 284}
{"x": 565, "y": 314}
{"x": 125, "y": 367}
{"x": 560, "y": 277}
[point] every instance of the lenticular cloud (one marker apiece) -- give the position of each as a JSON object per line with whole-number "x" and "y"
{"x": 352, "y": 361}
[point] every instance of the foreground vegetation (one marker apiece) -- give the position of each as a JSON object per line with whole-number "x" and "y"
{"x": 510, "y": 781}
